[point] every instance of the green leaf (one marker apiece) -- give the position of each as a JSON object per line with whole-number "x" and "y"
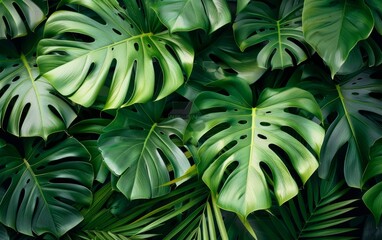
{"x": 234, "y": 137}
{"x": 188, "y": 15}
{"x": 376, "y": 10}
{"x": 29, "y": 105}
{"x": 329, "y": 217}
{"x": 39, "y": 188}
{"x": 138, "y": 147}
{"x": 333, "y": 28}
{"x": 366, "y": 53}
{"x": 19, "y": 16}
{"x": 116, "y": 49}
{"x": 277, "y": 33}
{"x": 3, "y": 233}
{"x": 373, "y": 196}
{"x": 348, "y": 108}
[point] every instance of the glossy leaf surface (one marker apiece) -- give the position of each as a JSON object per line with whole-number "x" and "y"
{"x": 141, "y": 61}
{"x": 234, "y": 136}
{"x": 38, "y": 190}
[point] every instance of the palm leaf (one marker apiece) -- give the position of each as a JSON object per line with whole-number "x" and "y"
{"x": 333, "y": 28}
{"x": 232, "y": 135}
{"x": 186, "y": 15}
{"x": 29, "y": 105}
{"x": 323, "y": 210}
{"x": 126, "y": 51}
{"x": 376, "y": 10}
{"x": 277, "y": 33}
{"x": 350, "y": 108}
{"x": 19, "y": 16}
{"x": 38, "y": 188}
{"x": 138, "y": 147}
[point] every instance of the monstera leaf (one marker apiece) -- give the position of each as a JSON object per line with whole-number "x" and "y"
{"x": 234, "y": 136}
{"x": 373, "y": 197}
{"x": 137, "y": 60}
{"x": 333, "y": 28}
{"x": 29, "y": 105}
{"x": 350, "y": 108}
{"x": 375, "y": 7}
{"x": 366, "y": 53}
{"x": 138, "y": 147}
{"x": 186, "y": 15}
{"x": 39, "y": 188}
{"x": 16, "y": 16}
{"x": 279, "y": 36}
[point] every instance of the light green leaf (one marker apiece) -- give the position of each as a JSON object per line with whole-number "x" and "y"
{"x": 38, "y": 189}
{"x": 141, "y": 62}
{"x": 236, "y": 138}
{"x": 187, "y": 15}
{"x": 13, "y": 24}
{"x": 277, "y": 33}
{"x": 29, "y": 105}
{"x": 349, "y": 108}
{"x": 139, "y": 147}
{"x": 373, "y": 197}
{"x": 333, "y": 28}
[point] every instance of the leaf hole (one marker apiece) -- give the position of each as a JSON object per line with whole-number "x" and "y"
{"x": 16, "y": 65}
{"x": 1, "y": 69}
{"x": 218, "y": 128}
{"x": 15, "y": 79}
{"x": 117, "y": 31}
{"x": 24, "y": 115}
{"x": 355, "y": 93}
{"x": 136, "y": 46}
{"x": 261, "y": 136}
{"x": 268, "y": 112}
{"x": 4, "y": 89}
{"x": 242, "y": 137}
{"x": 121, "y": 16}
{"x": 243, "y": 122}
{"x": 7, "y": 28}
{"x": 21, "y": 198}
{"x": 131, "y": 25}
{"x": 265, "y": 124}
{"x": 376, "y": 95}
{"x": 8, "y": 112}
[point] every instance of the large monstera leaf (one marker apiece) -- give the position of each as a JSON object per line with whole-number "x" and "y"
{"x": 139, "y": 147}
{"x": 113, "y": 48}
{"x": 13, "y": 13}
{"x": 375, "y": 7}
{"x": 38, "y": 189}
{"x": 373, "y": 196}
{"x": 232, "y": 135}
{"x": 187, "y": 15}
{"x": 350, "y": 108}
{"x": 333, "y": 28}
{"x": 277, "y": 33}
{"x": 29, "y": 105}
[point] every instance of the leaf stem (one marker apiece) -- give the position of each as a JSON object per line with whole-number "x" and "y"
{"x": 219, "y": 218}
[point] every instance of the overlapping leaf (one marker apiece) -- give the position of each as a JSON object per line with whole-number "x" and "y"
{"x": 38, "y": 190}
{"x": 351, "y": 107}
{"x": 320, "y": 211}
{"x": 234, "y": 136}
{"x": 333, "y": 28}
{"x": 373, "y": 196}
{"x": 376, "y": 9}
{"x": 187, "y": 15}
{"x": 278, "y": 34}
{"x": 29, "y": 105}
{"x": 17, "y": 16}
{"x": 138, "y": 147}
{"x": 113, "y": 45}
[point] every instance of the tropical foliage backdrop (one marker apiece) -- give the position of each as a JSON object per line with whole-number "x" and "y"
{"x": 180, "y": 119}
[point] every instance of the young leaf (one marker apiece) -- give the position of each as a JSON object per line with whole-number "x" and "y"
{"x": 186, "y": 15}
{"x": 278, "y": 35}
{"x": 333, "y": 28}
{"x": 143, "y": 61}
{"x": 38, "y": 190}
{"x": 138, "y": 147}
{"x": 232, "y": 135}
